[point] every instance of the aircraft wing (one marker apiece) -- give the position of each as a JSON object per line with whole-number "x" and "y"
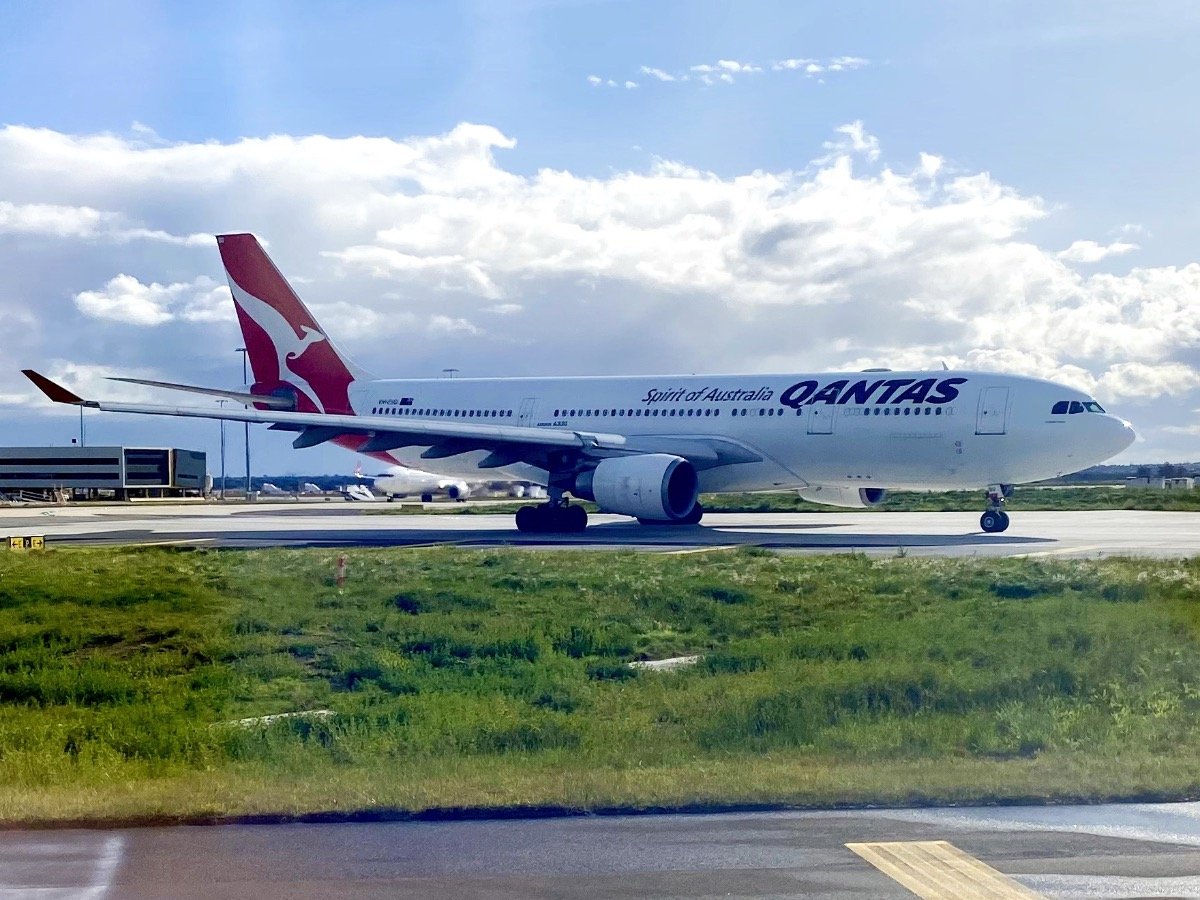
{"x": 507, "y": 444}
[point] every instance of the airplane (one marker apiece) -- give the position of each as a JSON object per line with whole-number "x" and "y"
{"x": 403, "y": 481}
{"x": 646, "y": 446}
{"x": 358, "y": 492}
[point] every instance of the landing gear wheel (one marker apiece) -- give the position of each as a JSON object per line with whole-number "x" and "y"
{"x": 547, "y": 519}
{"x": 576, "y": 518}
{"x": 528, "y": 519}
{"x": 993, "y": 521}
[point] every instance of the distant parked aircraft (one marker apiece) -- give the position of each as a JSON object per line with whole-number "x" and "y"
{"x": 359, "y": 492}
{"x": 403, "y": 481}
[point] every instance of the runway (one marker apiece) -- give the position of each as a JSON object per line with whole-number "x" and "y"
{"x": 1126, "y": 851}
{"x": 1069, "y": 534}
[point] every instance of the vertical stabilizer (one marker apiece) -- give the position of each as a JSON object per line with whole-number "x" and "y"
{"x": 289, "y": 352}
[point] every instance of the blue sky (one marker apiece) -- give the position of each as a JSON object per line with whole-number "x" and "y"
{"x": 1080, "y": 114}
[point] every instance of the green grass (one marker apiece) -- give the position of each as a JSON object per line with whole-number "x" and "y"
{"x": 1025, "y": 498}
{"x": 496, "y": 678}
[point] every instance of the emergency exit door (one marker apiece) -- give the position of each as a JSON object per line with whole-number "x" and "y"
{"x": 993, "y": 411}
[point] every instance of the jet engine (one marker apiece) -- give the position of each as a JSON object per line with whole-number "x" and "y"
{"x": 843, "y": 495}
{"x": 458, "y": 490}
{"x": 654, "y": 486}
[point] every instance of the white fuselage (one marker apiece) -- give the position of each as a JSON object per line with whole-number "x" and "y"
{"x": 914, "y": 430}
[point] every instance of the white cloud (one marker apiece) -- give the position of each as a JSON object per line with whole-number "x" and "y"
{"x": 125, "y": 299}
{"x": 1090, "y": 252}
{"x": 413, "y": 252}
{"x": 596, "y": 81}
{"x": 856, "y": 140}
{"x": 1136, "y": 380}
{"x": 657, "y": 73}
{"x": 54, "y": 220}
{"x": 723, "y": 70}
{"x": 781, "y": 65}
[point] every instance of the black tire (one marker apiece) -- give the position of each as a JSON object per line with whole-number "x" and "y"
{"x": 991, "y": 522}
{"x": 694, "y": 517}
{"x": 575, "y": 518}
{"x": 1003, "y": 521}
{"x": 427, "y": 498}
{"x": 529, "y": 519}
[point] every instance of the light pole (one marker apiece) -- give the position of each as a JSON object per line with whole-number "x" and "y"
{"x": 246, "y": 382}
{"x": 222, "y": 403}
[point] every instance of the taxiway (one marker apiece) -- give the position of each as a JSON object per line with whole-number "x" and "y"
{"x": 1121, "y": 851}
{"x": 1078, "y": 534}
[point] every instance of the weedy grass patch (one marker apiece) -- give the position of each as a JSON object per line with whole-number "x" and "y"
{"x": 492, "y": 678}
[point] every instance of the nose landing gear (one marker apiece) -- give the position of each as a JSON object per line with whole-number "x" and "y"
{"x": 994, "y": 518}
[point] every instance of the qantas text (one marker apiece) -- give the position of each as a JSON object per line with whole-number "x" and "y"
{"x": 879, "y": 390}
{"x": 840, "y": 392}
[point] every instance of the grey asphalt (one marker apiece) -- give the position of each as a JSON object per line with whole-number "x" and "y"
{"x": 1121, "y": 851}
{"x": 1095, "y": 533}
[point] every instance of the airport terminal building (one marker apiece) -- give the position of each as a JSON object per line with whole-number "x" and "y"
{"x": 91, "y": 472}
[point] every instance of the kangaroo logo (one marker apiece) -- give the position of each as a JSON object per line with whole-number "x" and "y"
{"x": 286, "y": 343}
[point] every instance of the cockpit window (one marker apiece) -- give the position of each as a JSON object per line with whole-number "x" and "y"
{"x": 1071, "y": 407}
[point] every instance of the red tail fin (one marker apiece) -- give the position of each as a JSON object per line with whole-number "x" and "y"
{"x": 289, "y": 352}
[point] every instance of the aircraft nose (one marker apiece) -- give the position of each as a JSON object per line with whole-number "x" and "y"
{"x": 1119, "y": 435}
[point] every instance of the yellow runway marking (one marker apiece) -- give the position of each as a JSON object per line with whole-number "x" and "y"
{"x": 937, "y": 870}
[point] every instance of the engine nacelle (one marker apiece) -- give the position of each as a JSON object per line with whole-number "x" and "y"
{"x": 458, "y": 490}
{"x": 651, "y": 486}
{"x": 843, "y": 495}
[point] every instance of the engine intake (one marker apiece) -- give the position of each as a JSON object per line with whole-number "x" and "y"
{"x": 650, "y": 486}
{"x": 843, "y": 495}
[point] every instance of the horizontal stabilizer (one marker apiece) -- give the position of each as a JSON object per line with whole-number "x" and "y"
{"x": 377, "y": 443}
{"x": 316, "y": 434}
{"x": 449, "y": 448}
{"x": 499, "y": 458}
{"x": 239, "y": 396}
{"x": 54, "y": 391}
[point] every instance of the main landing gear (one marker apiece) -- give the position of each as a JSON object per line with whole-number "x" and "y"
{"x": 994, "y": 518}
{"x": 555, "y": 517}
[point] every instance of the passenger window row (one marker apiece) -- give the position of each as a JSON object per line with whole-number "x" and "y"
{"x": 441, "y": 413}
{"x": 634, "y": 413}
